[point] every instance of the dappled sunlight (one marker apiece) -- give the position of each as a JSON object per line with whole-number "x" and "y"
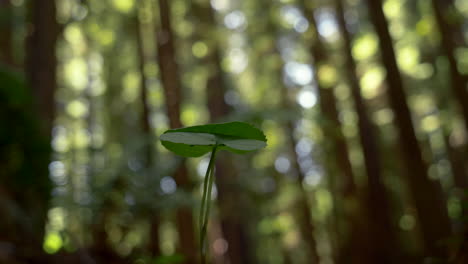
{"x": 351, "y": 114}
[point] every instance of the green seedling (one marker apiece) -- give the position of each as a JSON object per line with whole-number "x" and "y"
{"x": 196, "y": 141}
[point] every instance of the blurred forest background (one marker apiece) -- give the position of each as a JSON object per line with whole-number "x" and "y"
{"x": 364, "y": 103}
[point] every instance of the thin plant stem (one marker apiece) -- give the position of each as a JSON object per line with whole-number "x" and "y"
{"x": 205, "y": 206}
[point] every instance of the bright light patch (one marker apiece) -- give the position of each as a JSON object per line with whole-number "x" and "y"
{"x": 408, "y": 58}
{"x": 77, "y": 108}
{"x": 327, "y": 25}
{"x": 282, "y": 164}
{"x": 365, "y": 46}
{"x": 430, "y": 123}
{"x": 57, "y": 172}
{"x": 202, "y": 167}
{"x": 290, "y": 14}
{"x": 312, "y": 179}
{"x": 131, "y": 84}
{"x": 168, "y": 185}
{"x": 73, "y": 34}
{"x": 301, "y": 25}
{"x": 303, "y": 147}
{"x": 371, "y": 82}
{"x": 327, "y": 75}
{"x": 220, "y": 5}
{"x": 53, "y": 242}
{"x": 76, "y": 74}
{"x": 237, "y": 61}
{"x": 199, "y": 49}
{"x": 123, "y": 6}
{"x": 235, "y": 20}
{"x": 300, "y": 74}
{"x": 307, "y": 99}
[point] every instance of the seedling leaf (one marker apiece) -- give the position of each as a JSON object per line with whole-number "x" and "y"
{"x": 196, "y": 141}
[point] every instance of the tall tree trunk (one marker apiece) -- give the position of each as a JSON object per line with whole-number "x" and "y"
{"x": 233, "y": 225}
{"x": 382, "y": 242}
{"x": 148, "y": 148}
{"x": 458, "y": 83}
{"x": 328, "y": 107}
{"x": 428, "y": 199}
{"x": 6, "y": 33}
{"x": 170, "y": 77}
{"x": 41, "y": 78}
{"x": 332, "y": 128}
{"x": 304, "y": 210}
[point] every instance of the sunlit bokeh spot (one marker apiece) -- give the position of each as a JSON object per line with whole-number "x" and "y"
{"x": 203, "y": 166}
{"x": 73, "y": 34}
{"x": 76, "y": 74}
{"x": 303, "y": 147}
{"x": 199, "y": 49}
{"x": 393, "y": 8}
{"x": 306, "y": 98}
{"x": 300, "y": 74}
{"x": 327, "y": 25}
{"x": 462, "y": 6}
{"x": 408, "y": 58}
{"x": 57, "y": 172}
{"x": 430, "y": 123}
{"x": 52, "y": 242}
{"x": 131, "y": 86}
{"x": 424, "y": 26}
{"x": 235, "y": 20}
{"x": 193, "y": 114}
{"x": 383, "y": 116}
{"x": 301, "y": 25}
{"x": 372, "y": 81}
{"x": 313, "y": 178}
{"x": 365, "y": 46}
{"x": 237, "y": 61}
{"x": 327, "y": 75}
{"x": 282, "y": 164}
{"x": 168, "y": 185}
{"x": 77, "y": 108}
{"x": 56, "y": 217}
{"x": 324, "y": 203}
{"x": 290, "y": 15}
{"x": 123, "y": 6}
{"x": 220, "y": 5}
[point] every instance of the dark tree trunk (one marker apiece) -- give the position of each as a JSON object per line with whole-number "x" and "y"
{"x": 148, "y": 148}
{"x": 41, "y": 78}
{"x": 458, "y": 83}
{"x": 41, "y": 61}
{"x": 343, "y": 174}
{"x": 382, "y": 241}
{"x": 170, "y": 77}
{"x": 6, "y": 34}
{"x": 328, "y": 107}
{"x": 428, "y": 199}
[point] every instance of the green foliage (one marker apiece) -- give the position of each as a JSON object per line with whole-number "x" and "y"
{"x": 196, "y": 141}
